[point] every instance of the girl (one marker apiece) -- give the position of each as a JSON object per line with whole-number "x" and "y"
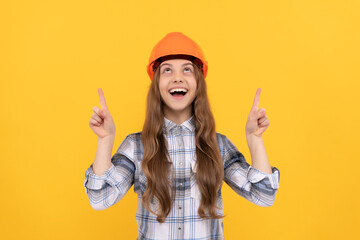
{"x": 178, "y": 162}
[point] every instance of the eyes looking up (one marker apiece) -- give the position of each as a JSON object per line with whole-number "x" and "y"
{"x": 168, "y": 70}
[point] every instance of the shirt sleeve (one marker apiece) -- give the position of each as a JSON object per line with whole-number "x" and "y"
{"x": 106, "y": 190}
{"x": 250, "y": 183}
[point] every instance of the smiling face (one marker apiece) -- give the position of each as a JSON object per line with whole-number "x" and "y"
{"x": 177, "y": 85}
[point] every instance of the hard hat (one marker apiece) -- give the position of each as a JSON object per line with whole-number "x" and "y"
{"x": 176, "y": 45}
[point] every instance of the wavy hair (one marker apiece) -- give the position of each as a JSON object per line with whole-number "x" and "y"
{"x": 156, "y": 163}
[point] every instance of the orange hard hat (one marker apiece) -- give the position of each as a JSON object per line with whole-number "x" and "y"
{"x": 176, "y": 45}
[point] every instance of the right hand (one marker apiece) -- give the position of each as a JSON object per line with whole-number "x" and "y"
{"x": 101, "y": 121}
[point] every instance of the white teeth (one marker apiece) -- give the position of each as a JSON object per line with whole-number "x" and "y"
{"x": 178, "y": 90}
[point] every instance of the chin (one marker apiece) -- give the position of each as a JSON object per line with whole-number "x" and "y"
{"x": 178, "y": 108}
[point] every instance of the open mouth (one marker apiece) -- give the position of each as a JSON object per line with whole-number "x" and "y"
{"x": 178, "y": 92}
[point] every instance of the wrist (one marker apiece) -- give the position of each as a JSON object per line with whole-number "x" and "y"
{"x": 254, "y": 141}
{"x": 107, "y": 139}
{"x": 253, "y": 138}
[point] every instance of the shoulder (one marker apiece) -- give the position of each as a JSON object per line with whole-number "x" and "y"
{"x": 229, "y": 151}
{"x": 134, "y": 136}
{"x": 221, "y": 140}
{"x": 131, "y": 145}
{"x": 220, "y": 136}
{"x": 225, "y": 144}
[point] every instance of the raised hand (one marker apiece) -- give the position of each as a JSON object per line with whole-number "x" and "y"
{"x": 101, "y": 121}
{"x": 257, "y": 121}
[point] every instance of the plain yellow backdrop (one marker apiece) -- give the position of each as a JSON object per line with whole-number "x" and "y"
{"x": 303, "y": 54}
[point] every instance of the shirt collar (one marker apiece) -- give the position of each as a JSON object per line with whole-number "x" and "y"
{"x": 189, "y": 124}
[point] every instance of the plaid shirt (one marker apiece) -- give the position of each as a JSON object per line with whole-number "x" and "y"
{"x": 183, "y": 221}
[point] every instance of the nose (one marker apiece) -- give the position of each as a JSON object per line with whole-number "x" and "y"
{"x": 178, "y": 80}
{"x": 178, "y": 77}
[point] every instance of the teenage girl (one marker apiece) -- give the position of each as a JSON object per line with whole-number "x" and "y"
{"x": 178, "y": 161}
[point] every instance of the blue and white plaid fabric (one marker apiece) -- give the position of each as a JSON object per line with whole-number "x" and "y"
{"x": 183, "y": 222}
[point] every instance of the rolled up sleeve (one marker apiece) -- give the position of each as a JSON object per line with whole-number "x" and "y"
{"x": 257, "y": 187}
{"x": 107, "y": 189}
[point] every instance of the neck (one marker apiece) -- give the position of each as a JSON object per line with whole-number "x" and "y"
{"x": 178, "y": 117}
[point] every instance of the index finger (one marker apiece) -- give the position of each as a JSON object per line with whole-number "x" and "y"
{"x": 102, "y": 99}
{"x": 256, "y": 99}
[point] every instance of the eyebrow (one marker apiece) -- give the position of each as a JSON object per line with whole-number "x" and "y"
{"x": 172, "y": 65}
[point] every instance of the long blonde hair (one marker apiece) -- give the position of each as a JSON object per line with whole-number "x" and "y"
{"x": 156, "y": 163}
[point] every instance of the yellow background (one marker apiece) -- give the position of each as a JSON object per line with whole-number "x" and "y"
{"x": 303, "y": 54}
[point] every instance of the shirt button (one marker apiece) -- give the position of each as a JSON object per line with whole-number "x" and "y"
{"x": 179, "y": 228}
{"x": 179, "y": 207}
{"x": 180, "y": 163}
{"x": 181, "y": 184}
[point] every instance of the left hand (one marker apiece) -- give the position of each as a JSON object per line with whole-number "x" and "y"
{"x": 257, "y": 121}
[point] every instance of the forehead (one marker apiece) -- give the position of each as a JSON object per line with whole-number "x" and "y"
{"x": 175, "y": 62}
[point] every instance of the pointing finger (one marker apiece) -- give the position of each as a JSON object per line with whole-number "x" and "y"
{"x": 102, "y": 99}
{"x": 256, "y": 100}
